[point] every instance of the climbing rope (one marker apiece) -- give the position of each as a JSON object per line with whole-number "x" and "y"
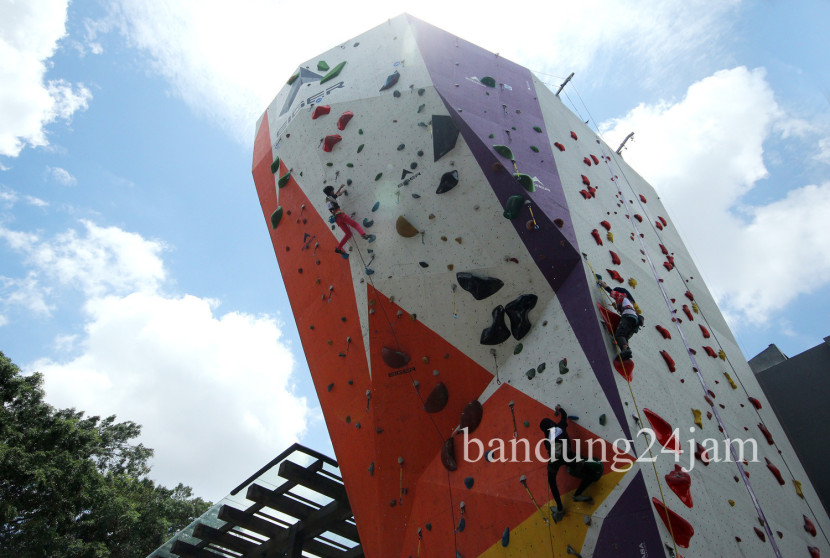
{"x": 523, "y": 481}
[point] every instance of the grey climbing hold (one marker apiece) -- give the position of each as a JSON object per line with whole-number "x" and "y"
{"x": 420, "y": 108}
{"x": 420, "y": 153}
{"x": 413, "y": 165}
{"x": 437, "y": 399}
{"x": 377, "y": 176}
{"x": 505, "y": 537}
{"x": 479, "y": 287}
{"x": 513, "y": 206}
{"x": 497, "y": 332}
{"x": 449, "y": 180}
{"x": 276, "y": 217}
{"x": 586, "y": 519}
{"x": 416, "y": 196}
{"x": 517, "y": 311}
{"x": 391, "y": 80}
{"x": 469, "y": 482}
{"x": 376, "y": 206}
{"x": 563, "y": 367}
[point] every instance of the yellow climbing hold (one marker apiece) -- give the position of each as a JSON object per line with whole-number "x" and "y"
{"x": 610, "y": 236}
{"x": 732, "y": 503}
{"x": 637, "y": 308}
{"x": 722, "y": 355}
{"x": 632, "y": 282}
{"x": 698, "y": 419}
{"x": 729, "y": 379}
{"x": 798, "y": 488}
{"x": 405, "y": 228}
{"x": 695, "y": 308}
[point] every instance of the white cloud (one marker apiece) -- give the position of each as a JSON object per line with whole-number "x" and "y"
{"x": 61, "y": 176}
{"x": 26, "y": 292}
{"x": 823, "y": 155}
{"x": 228, "y": 64}
{"x": 206, "y": 388}
{"x": 29, "y": 34}
{"x": 703, "y": 154}
{"x": 37, "y": 202}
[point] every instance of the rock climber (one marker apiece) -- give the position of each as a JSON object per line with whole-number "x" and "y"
{"x": 630, "y": 319}
{"x": 343, "y": 221}
{"x": 557, "y": 444}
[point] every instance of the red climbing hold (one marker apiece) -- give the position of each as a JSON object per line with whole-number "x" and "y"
{"x": 393, "y": 358}
{"x": 585, "y": 180}
{"x": 573, "y": 135}
{"x": 688, "y": 312}
{"x": 585, "y": 194}
{"x": 814, "y": 552}
{"x": 625, "y": 368}
{"x": 760, "y": 534}
{"x": 594, "y": 159}
{"x": 605, "y": 225}
{"x": 690, "y": 296}
{"x": 662, "y": 220}
{"x": 638, "y": 217}
{"x": 320, "y": 110}
{"x": 658, "y": 225}
{"x": 330, "y": 142}
{"x": 615, "y": 275}
{"x": 643, "y": 198}
{"x": 669, "y": 360}
{"x": 471, "y": 416}
{"x": 663, "y": 431}
{"x": 755, "y": 402}
{"x": 808, "y": 526}
{"x": 668, "y": 265}
{"x": 344, "y": 119}
{"x": 587, "y": 161}
{"x": 704, "y": 331}
{"x": 766, "y": 433}
{"x": 615, "y": 259}
{"x": 680, "y": 481}
{"x": 710, "y": 351}
{"x": 595, "y": 234}
{"x": 559, "y": 146}
{"x": 663, "y": 331}
{"x": 775, "y": 471}
{"x": 592, "y": 191}
{"x": 663, "y": 249}
{"x": 677, "y": 526}
{"x": 702, "y": 455}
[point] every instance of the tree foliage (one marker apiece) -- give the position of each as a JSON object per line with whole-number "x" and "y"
{"x": 72, "y": 485}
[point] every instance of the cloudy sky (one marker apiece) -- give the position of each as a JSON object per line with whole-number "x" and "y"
{"x": 136, "y": 270}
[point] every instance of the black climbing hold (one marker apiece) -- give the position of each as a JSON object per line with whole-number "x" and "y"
{"x": 469, "y": 482}
{"x": 423, "y": 264}
{"x": 444, "y": 135}
{"x": 416, "y": 196}
{"x": 449, "y": 180}
{"x": 377, "y": 176}
{"x": 396, "y": 93}
{"x": 488, "y": 81}
{"x": 525, "y": 180}
{"x": 401, "y": 147}
{"x": 391, "y": 80}
{"x": 420, "y": 153}
{"x": 531, "y": 373}
{"x": 505, "y": 537}
{"x": 421, "y": 91}
{"x": 461, "y": 524}
{"x": 471, "y": 416}
{"x": 437, "y": 399}
{"x": 367, "y": 223}
{"x": 413, "y": 165}
{"x": 514, "y": 204}
{"x": 276, "y": 217}
{"x": 356, "y": 44}
{"x": 428, "y": 526}
{"x": 602, "y": 419}
{"x": 372, "y": 469}
{"x": 517, "y": 311}
{"x": 284, "y": 179}
{"x": 448, "y": 455}
{"x": 479, "y": 287}
{"x": 275, "y": 166}
{"x": 393, "y": 358}
{"x": 331, "y": 387}
{"x": 497, "y": 332}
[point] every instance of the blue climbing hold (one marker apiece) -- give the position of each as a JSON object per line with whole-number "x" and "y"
{"x": 505, "y": 537}
{"x": 469, "y": 482}
{"x": 367, "y": 223}
{"x": 461, "y": 524}
{"x": 376, "y": 206}
{"x": 391, "y": 80}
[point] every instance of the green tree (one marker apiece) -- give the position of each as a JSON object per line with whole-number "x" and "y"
{"x": 76, "y": 486}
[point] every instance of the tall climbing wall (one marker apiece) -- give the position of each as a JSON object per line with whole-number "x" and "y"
{"x": 472, "y": 310}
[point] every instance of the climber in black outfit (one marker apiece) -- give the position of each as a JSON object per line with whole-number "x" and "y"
{"x": 630, "y": 319}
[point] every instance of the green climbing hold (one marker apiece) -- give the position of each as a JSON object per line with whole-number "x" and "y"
{"x": 276, "y": 216}
{"x": 491, "y": 136}
{"x": 329, "y": 164}
{"x": 360, "y": 131}
{"x": 322, "y": 66}
{"x": 284, "y": 179}
{"x": 333, "y": 73}
{"x": 350, "y": 165}
{"x": 541, "y": 368}
{"x": 514, "y": 204}
{"x": 534, "y": 149}
{"x": 538, "y": 129}
{"x": 525, "y": 180}
{"x": 360, "y": 148}
{"x": 293, "y": 78}
{"x": 563, "y": 366}
{"x": 488, "y": 81}
{"x": 602, "y": 419}
{"x": 377, "y": 177}
{"x": 275, "y": 166}
{"x": 531, "y": 373}
{"x": 518, "y": 349}
{"x": 504, "y": 151}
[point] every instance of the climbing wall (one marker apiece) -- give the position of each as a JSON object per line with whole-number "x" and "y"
{"x": 472, "y": 310}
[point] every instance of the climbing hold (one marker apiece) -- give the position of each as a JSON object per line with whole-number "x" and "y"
{"x": 330, "y": 387}
{"x": 587, "y": 161}
{"x": 448, "y": 455}
{"x": 391, "y": 80}
{"x": 437, "y": 399}
{"x": 517, "y": 311}
{"x": 344, "y": 119}
{"x": 479, "y": 287}
{"x": 559, "y": 146}
{"x": 497, "y": 332}
{"x": 638, "y": 217}
{"x": 814, "y": 551}
{"x": 284, "y": 179}
{"x": 760, "y": 534}
{"x": 375, "y": 207}
{"x": 488, "y": 81}
{"x": 449, "y": 180}
{"x": 514, "y": 204}
{"x": 378, "y": 176}
{"x": 766, "y": 433}
{"x": 367, "y": 223}
{"x": 393, "y": 358}
{"x": 401, "y": 147}
{"x": 755, "y": 402}
{"x": 322, "y": 66}
{"x": 293, "y": 78}
{"x": 531, "y": 373}
{"x": 722, "y": 355}
{"x": 729, "y": 379}
{"x": 704, "y": 332}
{"x": 471, "y": 416}
{"x": 563, "y": 366}
{"x": 330, "y": 142}
{"x": 275, "y": 166}
{"x": 698, "y": 418}
{"x": 276, "y": 217}
{"x": 610, "y": 236}
{"x": 615, "y": 275}
{"x": 469, "y": 482}
{"x": 775, "y": 471}
{"x": 541, "y": 368}
{"x": 688, "y": 312}
{"x": 444, "y": 135}
{"x": 504, "y": 151}
{"x": 333, "y": 73}
{"x": 606, "y": 225}
{"x": 595, "y": 234}
{"x": 319, "y": 111}
{"x": 372, "y": 469}
{"x": 615, "y": 259}
{"x": 461, "y": 524}
{"x": 423, "y": 264}
{"x": 662, "y": 220}
{"x": 679, "y": 527}
{"x": 396, "y": 93}
{"x": 585, "y": 180}
{"x": 505, "y": 537}
{"x": 664, "y": 332}
{"x": 573, "y": 135}
{"x": 525, "y": 180}
{"x": 680, "y": 481}
{"x": 663, "y": 431}
{"x": 405, "y": 228}
{"x": 594, "y": 159}
{"x": 710, "y": 351}
{"x": 808, "y": 526}
{"x": 518, "y": 348}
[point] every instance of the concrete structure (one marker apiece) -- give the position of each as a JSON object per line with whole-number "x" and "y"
{"x": 471, "y": 173}
{"x": 798, "y": 389}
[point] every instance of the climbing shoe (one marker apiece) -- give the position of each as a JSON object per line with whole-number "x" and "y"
{"x": 583, "y": 498}
{"x": 557, "y": 515}
{"x": 342, "y": 253}
{"x": 626, "y": 354}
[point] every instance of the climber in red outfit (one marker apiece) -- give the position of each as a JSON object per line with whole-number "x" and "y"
{"x": 343, "y": 221}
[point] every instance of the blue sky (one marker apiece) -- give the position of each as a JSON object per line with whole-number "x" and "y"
{"x": 136, "y": 270}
